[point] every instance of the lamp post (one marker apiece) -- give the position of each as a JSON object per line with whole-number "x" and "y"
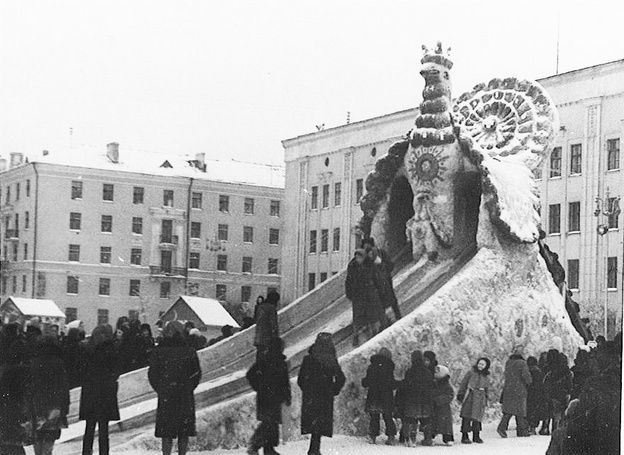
{"x": 609, "y": 207}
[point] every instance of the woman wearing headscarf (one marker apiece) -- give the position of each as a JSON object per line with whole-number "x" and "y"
{"x": 320, "y": 379}
{"x": 418, "y": 390}
{"x": 174, "y": 373}
{"x": 473, "y": 395}
{"x": 98, "y": 398}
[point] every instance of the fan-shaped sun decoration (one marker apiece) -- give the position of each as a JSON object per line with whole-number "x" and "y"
{"x": 426, "y": 165}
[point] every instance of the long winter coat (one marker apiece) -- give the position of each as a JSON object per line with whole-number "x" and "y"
{"x": 174, "y": 373}
{"x": 98, "y": 398}
{"x": 266, "y": 323}
{"x": 558, "y": 387}
{"x": 380, "y": 382}
{"x": 537, "y": 406}
{"x": 474, "y": 388}
{"x": 269, "y": 378}
{"x": 364, "y": 288}
{"x": 416, "y": 393}
{"x": 444, "y": 394}
{"x": 517, "y": 381}
{"x": 319, "y": 384}
{"x": 14, "y": 403}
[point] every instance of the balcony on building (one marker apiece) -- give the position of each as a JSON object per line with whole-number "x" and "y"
{"x": 168, "y": 241}
{"x": 172, "y": 272}
{"x": 11, "y": 234}
{"x": 4, "y": 266}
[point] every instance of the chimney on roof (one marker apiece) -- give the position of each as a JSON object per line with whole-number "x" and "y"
{"x": 17, "y": 158}
{"x": 3, "y": 164}
{"x": 112, "y": 152}
{"x": 45, "y": 153}
{"x": 200, "y": 161}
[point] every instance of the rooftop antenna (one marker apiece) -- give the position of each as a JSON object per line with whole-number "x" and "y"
{"x": 348, "y": 117}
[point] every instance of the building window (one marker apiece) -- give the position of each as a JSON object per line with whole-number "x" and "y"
{"x": 575, "y": 159}
{"x": 554, "y": 218}
{"x": 27, "y": 188}
{"x": 25, "y": 251}
{"x": 72, "y": 284}
{"x": 573, "y": 274}
{"x": 359, "y": 190}
{"x": 135, "y": 288}
{"x": 17, "y": 191}
{"x": 324, "y": 240}
{"x": 75, "y": 221}
{"x": 249, "y": 206}
{"x": 313, "y": 241}
{"x": 275, "y": 208}
{"x": 168, "y": 198}
{"x": 105, "y": 254}
{"x": 17, "y": 226}
{"x": 311, "y": 281}
{"x": 135, "y": 256}
{"x": 272, "y": 270}
{"x": 14, "y": 255}
{"x": 71, "y": 314}
{"x": 196, "y": 200}
{"x": 336, "y": 246}
{"x": 194, "y": 260}
{"x": 76, "y": 189}
{"x": 195, "y": 229}
{"x": 27, "y": 220}
{"x": 14, "y": 284}
{"x": 574, "y": 217}
{"x": 247, "y": 264}
{"x": 314, "y": 198}
{"x": 137, "y": 225}
{"x": 24, "y": 286}
{"x": 222, "y": 232}
{"x": 108, "y": 190}
{"x": 107, "y": 223}
{"x": 74, "y": 253}
{"x": 221, "y": 292}
{"x": 273, "y": 236}
{"x": 8, "y": 194}
{"x": 613, "y": 218}
{"x": 248, "y": 234}
{"x": 612, "y": 273}
{"x": 613, "y": 154}
{"x": 325, "y": 196}
{"x": 138, "y": 194}
{"x": 104, "y": 288}
{"x": 222, "y": 262}
{"x": 337, "y": 194}
{"x": 555, "y": 162}
{"x": 102, "y": 317}
{"x": 322, "y": 277}
{"x": 224, "y": 204}
{"x": 245, "y": 294}
{"x": 165, "y": 289}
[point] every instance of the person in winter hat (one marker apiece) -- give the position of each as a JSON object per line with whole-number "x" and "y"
{"x": 266, "y": 321}
{"x": 380, "y": 382}
{"x": 473, "y": 395}
{"x": 514, "y": 396}
{"x": 537, "y": 406}
{"x": 443, "y": 396}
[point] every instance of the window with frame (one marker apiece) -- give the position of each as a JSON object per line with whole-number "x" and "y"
{"x": 359, "y": 190}
{"x": 249, "y": 206}
{"x": 273, "y": 236}
{"x": 555, "y": 162}
{"x": 224, "y": 203}
{"x": 222, "y": 232}
{"x": 573, "y": 274}
{"x": 193, "y": 260}
{"x": 322, "y": 277}
{"x": 138, "y": 195}
{"x": 25, "y": 251}
{"x": 612, "y": 272}
{"x": 613, "y": 154}
{"x": 336, "y": 246}
{"x": 313, "y": 241}
{"x": 575, "y": 158}
{"x": 72, "y": 284}
{"x": 75, "y": 219}
{"x": 195, "y": 230}
{"x": 324, "y": 240}
{"x": 222, "y": 262}
{"x": 137, "y": 225}
{"x": 554, "y": 218}
{"x": 337, "y": 194}
{"x": 107, "y": 223}
{"x": 325, "y": 196}
{"x": 8, "y": 194}
{"x": 275, "y": 208}
{"x": 314, "y": 198}
{"x": 196, "y": 200}
{"x": 135, "y": 288}
{"x": 574, "y": 217}
{"x": 612, "y": 219}
{"x": 168, "y": 198}
{"x": 165, "y": 289}
{"x": 14, "y": 255}
{"x": 247, "y": 264}
{"x": 16, "y": 223}
{"x": 24, "y": 285}
{"x": 28, "y": 188}
{"x": 221, "y": 292}
{"x": 245, "y": 294}
{"x": 17, "y": 191}
{"x": 247, "y": 234}
{"x": 102, "y": 317}
{"x": 272, "y": 269}
{"x": 135, "y": 256}
{"x": 76, "y": 189}
{"x": 74, "y": 253}
{"x": 108, "y": 190}
{"x": 14, "y": 284}
{"x": 104, "y": 286}
{"x": 311, "y": 281}
{"x": 27, "y": 220}
{"x": 71, "y": 314}
{"x": 105, "y": 254}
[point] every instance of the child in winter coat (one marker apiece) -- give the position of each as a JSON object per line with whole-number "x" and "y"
{"x": 443, "y": 422}
{"x": 380, "y": 400}
{"x": 473, "y": 394}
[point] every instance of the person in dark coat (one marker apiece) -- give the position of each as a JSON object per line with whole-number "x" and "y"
{"x": 320, "y": 379}
{"x": 581, "y": 372}
{"x": 514, "y": 396}
{"x": 385, "y": 266}
{"x": 174, "y": 373}
{"x": 49, "y": 394}
{"x": 537, "y": 407}
{"x": 443, "y": 397}
{"x": 145, "y": 344}
{"x": 268, "y": 376}
{"x": 380, "y": 382}
{"x": 73, "y": 356}
{"x": 98, "y": 397}
{"x": 557, "y": 387}
{"x": 266, "y": 321}
{"x": 473, "y": 395}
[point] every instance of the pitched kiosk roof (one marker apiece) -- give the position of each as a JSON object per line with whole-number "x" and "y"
{"x": 37, "y": 307}
{"x": 210, "y": 311}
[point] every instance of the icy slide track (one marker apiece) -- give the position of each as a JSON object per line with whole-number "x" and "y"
{"x": 224, "y": 364}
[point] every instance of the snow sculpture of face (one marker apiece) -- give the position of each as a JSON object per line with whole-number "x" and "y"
{"x": 481, "y": 364}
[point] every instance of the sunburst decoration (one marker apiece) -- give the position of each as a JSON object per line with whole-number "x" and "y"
{"x": 425, "y": 165}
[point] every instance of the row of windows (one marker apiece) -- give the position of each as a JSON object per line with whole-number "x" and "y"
{"x": 17, "y": 192}
{"x": 16, "y": 224}
{"x": 312, "y": 279}
{"x": 574, "y": 217}
{"x": 576, "y": 155}
{"x": 324, "y": 244}
{"x": 574, "y": 268}
{"x": 337, "y": 200}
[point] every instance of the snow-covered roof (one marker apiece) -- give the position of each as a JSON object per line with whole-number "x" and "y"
{"x": 36, "y": 307}
{"x": 209, "y": 311}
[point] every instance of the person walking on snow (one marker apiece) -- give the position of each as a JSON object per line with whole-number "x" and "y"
{"x": 443, "y": 416}
{"x": 473, "y": 395}
{"x": 514, "y": 396}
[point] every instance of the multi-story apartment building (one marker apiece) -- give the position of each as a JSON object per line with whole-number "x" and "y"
{"x": 326, "y": 171}
{"x": 114, "y": 233}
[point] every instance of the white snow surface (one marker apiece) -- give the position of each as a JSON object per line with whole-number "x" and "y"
{"x": 210, "y": 311}
{"x": 37, "y": 307}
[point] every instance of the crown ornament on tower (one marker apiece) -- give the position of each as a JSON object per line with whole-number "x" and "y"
{"x": 437, "y": 55}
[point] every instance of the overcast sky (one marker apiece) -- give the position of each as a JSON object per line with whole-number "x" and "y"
{"x": 234, "y": 78}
